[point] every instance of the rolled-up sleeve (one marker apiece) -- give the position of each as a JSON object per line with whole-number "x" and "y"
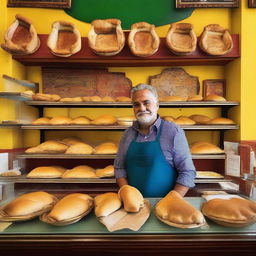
{"x": 183, "y": 161}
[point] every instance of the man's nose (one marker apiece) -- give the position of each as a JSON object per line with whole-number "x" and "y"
{"x": 142, "y": 107}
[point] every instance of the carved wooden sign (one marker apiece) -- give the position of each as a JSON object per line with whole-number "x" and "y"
{"x": 175, "y": 82}
{"x": 59, "y": 4}
{"x": 85, "y": 82}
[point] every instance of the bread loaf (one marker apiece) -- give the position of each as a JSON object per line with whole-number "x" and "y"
{"x": 202, "y": 147}
{"x": 104, "y": 120}
{"x": 46, "y": 172}
{"x": 183, "y": 120}
{"x": 213, "y": 97}
{"x": 175, "y": 209}
{"x": 131, "y": 198}
{"x": 106, "y": 203}
{"x": 28, "y": 203}
{"x": 48, "y": 147}
{"x": 200, "y": 119}
{"x": 80, "y": 148}
{"x": 108, "y": 171}
{"x": 41, "y": 121}
{"x": 81, "y": 171}
{"x": 70, "y": 206}
{"x": 106, "y": 148}
{"x": 221, "y": 120}
{"x": 60, "y": 120}
{"x": 81, "y": 120}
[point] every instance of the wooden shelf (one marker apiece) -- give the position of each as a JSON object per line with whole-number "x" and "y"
{"x": 177, "y": 104}
{"x": 23, "y": 179}
{"x": 86, "y": 57}
{"x": 121, "y": 127}
{"x": 67, "y": 156}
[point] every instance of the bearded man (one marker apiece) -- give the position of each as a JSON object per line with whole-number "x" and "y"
{"x": 153, "y": 154}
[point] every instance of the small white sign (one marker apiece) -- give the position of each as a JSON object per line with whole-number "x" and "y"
{"x": 3, "y": 162}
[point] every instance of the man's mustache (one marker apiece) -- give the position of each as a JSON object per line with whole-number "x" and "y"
{"x": 144, "y": 112}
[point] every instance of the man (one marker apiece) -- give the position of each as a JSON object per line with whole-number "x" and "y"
{"x": 153, "y": 154}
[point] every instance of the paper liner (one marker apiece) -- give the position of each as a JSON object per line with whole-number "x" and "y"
{"x": 5, "y": 217}
{"x": 121, "y": 219}
{"x": 45, "y": 218}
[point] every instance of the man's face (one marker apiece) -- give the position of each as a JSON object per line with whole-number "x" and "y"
{"x": 145, "y": 107}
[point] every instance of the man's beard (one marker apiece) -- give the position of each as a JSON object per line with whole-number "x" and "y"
{"x": 145, "y": 118}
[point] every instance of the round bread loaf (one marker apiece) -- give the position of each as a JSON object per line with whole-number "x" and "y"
{"x": 46, "y": 172}
{"x": 81, "y": 171}
{"x": 108, "y": 171}
{"x": 106, "y": 148}
{"x": 104, "y": 120}
{"x": 202, "y": 147}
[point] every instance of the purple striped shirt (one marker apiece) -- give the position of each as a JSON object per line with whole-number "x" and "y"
{"x": 174, "y": 146}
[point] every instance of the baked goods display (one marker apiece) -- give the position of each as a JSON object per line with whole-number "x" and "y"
{"x": 46, "y": 172}
{"x": 221, "y": 120}
{"x": 46, "y": 97}
{"x": 106, "y": 203}
{"x": 71, "y": 99}
{"x": 183, "y": 120}
{"x": 104, "y": 120}
{"x": 195, "y": 98}
{"x": 126, "y": 120}
{"x": 79, "y": 172}
{"x": 60, "y": 120}
{"x": 131, "y": 197}
{"x": 27, "y": 206}
{"x": 81, "y": 120}
{"x": 202, "y": 147}
{"x": 107, "y": 171}
{"x": 80, "y": 148}
{"x": 208, "y": 175}
{"x": 41, "y": 121}
{"x": 215, "y": 40}
{"x": 106, "y": 148}
{"x": 181, "y": 38}
{"x": 175, "y": 211}
{"x": 106, "y": 37}
{"x": 21, "y": 37}
{"x": 64, "y": 39}
{"x": 48, "y": 147}
{"x": 200, "y": 119}
{"x": 230, "y": 210}
{"x": 214, "y": 97}
{"x": 68, "y": 210}
{"x": 143, "y": 39}
{"x": 168, "y": 118}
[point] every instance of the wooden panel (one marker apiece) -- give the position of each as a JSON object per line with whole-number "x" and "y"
{"x": 85, "y": 82}
{"x": 175, "y": 82}
{"x": 60, "y": 4}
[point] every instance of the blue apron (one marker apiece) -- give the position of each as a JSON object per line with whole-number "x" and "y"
{"x": 147, "y": 169}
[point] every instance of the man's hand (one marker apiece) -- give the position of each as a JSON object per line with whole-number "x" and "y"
{"x": 182, "y": 190}
{"x": 121, "y": 182}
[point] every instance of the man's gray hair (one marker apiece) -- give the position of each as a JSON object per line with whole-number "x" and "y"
{"x": 140, "y": 87}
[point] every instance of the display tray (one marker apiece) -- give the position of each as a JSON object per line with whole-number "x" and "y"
{"x": 89, "y": 225}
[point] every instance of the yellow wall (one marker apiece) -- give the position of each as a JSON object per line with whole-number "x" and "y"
{"x": 239, "y": 73}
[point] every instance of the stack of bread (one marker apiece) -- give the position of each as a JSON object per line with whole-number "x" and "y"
{"x": 69, "y": 209}
{"x": 175, "y": 211}
{"x": 230, "y": 210}
{"x": 28, "y": 206}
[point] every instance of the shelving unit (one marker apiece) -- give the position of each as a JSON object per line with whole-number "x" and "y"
{"x": 87, "y": 59}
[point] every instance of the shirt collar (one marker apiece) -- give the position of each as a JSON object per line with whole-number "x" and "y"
{"x": 155, "y": 125}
